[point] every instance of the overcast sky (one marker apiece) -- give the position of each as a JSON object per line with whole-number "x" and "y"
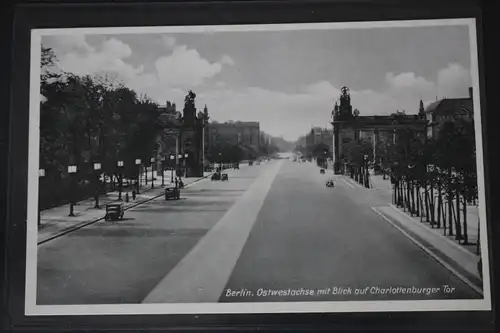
{"x": 286, "y": 80}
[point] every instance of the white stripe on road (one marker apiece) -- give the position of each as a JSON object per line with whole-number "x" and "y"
{"x": 203, "y": 273}
{"x": 347, "y": 183}
{"x": 354, "y": 183}
{"x": 429, "y": 252}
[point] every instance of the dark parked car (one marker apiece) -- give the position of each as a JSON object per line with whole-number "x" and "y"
{"x": 114, "y": 212}
{"x": 322, "y": 171}
{"x": 172, "y": 193}
{"x": 216, "y": 176}
{"x": 224, "y": 176}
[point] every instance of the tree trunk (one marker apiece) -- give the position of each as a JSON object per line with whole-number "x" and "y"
{"x": 394, "y": 190}
{"x": 427, "y": 202}
{"x": 431, "y": 203}
{"x": 450, "y": 213}
{"x": 408, "y": 196}
{"x": 458, "y": 226}
{"x": 439, "y": 208}
{"x": 465, "y": 234}
{"x": 413, "y": 188}
{"x": 450, "y": 204}
{"x": 401, "y": 194}
{"x": 417, "y": 194}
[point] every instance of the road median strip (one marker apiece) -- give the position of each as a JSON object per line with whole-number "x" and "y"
{"x": 202, "y": 274}
{"x": 87, "y": 223}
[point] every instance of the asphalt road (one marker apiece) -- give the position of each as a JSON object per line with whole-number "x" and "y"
{"x": 310, "y": 237}
{"x": 270, "y": 227}
{"x": 110, "y": 263}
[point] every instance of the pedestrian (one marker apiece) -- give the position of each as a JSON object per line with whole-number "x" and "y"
{"x": 176, "y": 182}
{"x": 133, "y": 195}
{"x": 126, "y": 197}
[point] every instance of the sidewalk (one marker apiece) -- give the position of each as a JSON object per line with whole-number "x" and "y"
{"x": 55, "y": 221}
{"x": 461, "y": 259}
{"x": 385, "y": 187}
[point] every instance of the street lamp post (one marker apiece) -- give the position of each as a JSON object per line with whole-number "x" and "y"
{"x": 41, "y": 174}
{"x": 220, "y": 162}
{"x": 152, "y": 172}
{"x": 185, "y": 164}
{"x": 120, "y": 175}
{"x": 138, "y": 182}
{"x": 72, "y": 170}
{"x": 97, "y": 167}
{"x": 172, "y": 166}
{"x": 178, "y": 167}
{"x": 162, "y": 171}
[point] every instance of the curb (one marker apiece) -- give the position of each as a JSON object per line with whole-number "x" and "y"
{"x": 440, "y": 235}
{"x": 84, "y": 224}
{"x": 455, "y": 268}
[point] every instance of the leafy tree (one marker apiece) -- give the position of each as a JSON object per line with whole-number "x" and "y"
{"x": 84, "y": 120}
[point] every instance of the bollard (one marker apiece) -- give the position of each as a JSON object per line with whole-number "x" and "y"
{"x": 126, "y": 197}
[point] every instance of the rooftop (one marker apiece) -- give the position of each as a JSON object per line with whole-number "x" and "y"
{"x": 456, "y": 106}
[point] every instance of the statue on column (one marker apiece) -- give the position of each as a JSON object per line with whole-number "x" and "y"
{"x": 189, "y": 109}
{"x": 345, "y": 112}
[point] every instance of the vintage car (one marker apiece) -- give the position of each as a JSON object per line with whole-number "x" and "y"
{"x": 114, "y": 212}
{"x": 216, "y": 176}
{"x": 250, "y": 163}
{"x": 236, "y": 166}
{"x": 224, "y": 177}
{"x": 330, "y": 183}
{"x": 322, "y": 171}
{"x": 172, "y": 193}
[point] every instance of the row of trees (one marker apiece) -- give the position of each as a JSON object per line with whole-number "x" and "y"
{"x": 86, "y": 120}
{"x": 437, "y": 179}
{"x": 432, "y": 178}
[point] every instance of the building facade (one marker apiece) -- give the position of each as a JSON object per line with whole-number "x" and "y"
{"x": 349, "y": 126}
{"x": 235, "y": 133}
{"x": 319, "y": 137}
{"x": 448, "y": 109}
{"x": 181, "y": 144}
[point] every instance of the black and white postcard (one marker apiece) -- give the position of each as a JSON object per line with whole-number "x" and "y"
{"x": 320, "y": 167}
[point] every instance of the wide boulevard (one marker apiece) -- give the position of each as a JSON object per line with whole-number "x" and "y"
{"x": 272, "y": 232}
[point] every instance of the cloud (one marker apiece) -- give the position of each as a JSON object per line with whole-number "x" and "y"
{"x": 182, "y": 69}
{"x": 292, "y": 115}
{"x": 185, "y": 68}
{"x": 453, "y": 81}
{"x": 70, "y": 43}
{"x": 227, "y": 60}
{"x": 109, "y": 58}
{"x": 169, "y": 41}
{"x": 407, "y": 81}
